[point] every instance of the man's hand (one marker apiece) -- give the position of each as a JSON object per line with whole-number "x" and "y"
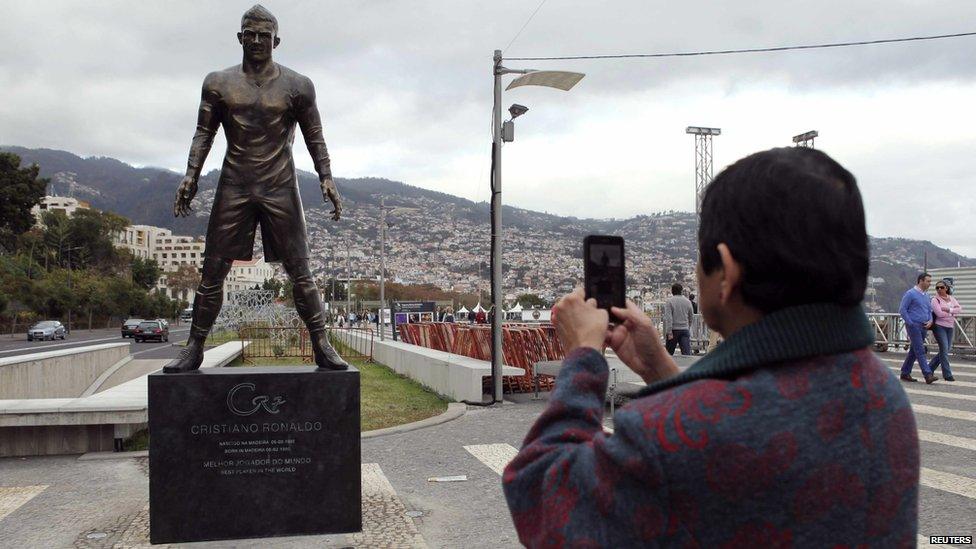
{"x": 670, "y": 336}
{"x": 579, "y": 322}
{"x": 331, "y": 193}
{"x": 638, "y": 345}
{"x": 184, "y": 196}
{"x": 928, "y": 324}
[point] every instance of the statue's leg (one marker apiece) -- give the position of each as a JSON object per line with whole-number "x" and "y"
{"x": 309, "y": 307}
{"x": 206, "y": 307}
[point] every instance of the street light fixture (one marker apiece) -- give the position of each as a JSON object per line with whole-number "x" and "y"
{"x": 561, "y": 80}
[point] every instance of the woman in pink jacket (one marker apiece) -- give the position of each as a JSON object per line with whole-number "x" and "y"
{"x": 945, "y": 308}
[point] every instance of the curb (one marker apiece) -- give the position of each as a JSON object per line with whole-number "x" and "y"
{"x": 454, "y": 411}
{"x": 91, "y": 456}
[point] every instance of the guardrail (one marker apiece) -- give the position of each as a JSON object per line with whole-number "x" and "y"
{"x": 889, "y": 333}
{"x": 276, "y": 342}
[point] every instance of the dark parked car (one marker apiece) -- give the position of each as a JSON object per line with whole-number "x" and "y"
{"x": 46, "y": 329}
{"x": 129, "y": 326}
{"x": 151, "y": 329}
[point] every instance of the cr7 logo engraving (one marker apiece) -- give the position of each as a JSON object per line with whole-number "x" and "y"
{"x": 241, "y": 391}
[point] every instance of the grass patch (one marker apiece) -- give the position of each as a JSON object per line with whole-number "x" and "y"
{"x": 387, "y": 398}
{"x": 219, "y": 338}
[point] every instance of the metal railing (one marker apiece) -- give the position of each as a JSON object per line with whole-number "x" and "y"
{"x": 284, "y": 342}
{"x": 890, "y": 333}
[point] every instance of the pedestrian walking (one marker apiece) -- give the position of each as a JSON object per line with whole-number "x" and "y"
{"x": 678, "y": 316}
{"x": 945, "y": 308}
{"x": 694, "y": 304}
{"x": 916, "y": 310}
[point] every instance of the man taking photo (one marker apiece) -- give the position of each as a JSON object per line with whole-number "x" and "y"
{"x": 791, "y": 432}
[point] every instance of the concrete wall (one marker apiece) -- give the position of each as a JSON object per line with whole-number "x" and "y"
{"x": 64, "y": 373}
{"x": 453, "y": 376}
{"x": 55, "y": 439}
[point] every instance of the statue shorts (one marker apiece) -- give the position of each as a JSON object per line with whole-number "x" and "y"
{"x": 240, "y": 207}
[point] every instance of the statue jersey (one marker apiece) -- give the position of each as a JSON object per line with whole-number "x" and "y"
{"x": 259, "y": 124}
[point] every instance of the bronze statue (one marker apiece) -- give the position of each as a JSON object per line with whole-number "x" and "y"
{"x": 258, "y": 103}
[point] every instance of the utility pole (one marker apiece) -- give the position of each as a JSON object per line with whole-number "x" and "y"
{"x": 332, "y": 275}
{"x": 348, "y": 281}
{"x": 703, "y": 161}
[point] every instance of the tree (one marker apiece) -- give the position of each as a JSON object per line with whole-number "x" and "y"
{"x": 274, "y": 285}
{"x": 145, "y": 272}
{"x": 92, "y": 233}
{"x": 20, "y": 190}
{"x": 531, "y": 301}
{"x": 184, "y": 279}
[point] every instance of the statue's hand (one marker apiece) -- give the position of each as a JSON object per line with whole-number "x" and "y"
{"x": 184, "y": 196}
{"x": 331, "y": 193}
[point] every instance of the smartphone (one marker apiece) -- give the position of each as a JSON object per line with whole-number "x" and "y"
{"x": 603, "y": 271}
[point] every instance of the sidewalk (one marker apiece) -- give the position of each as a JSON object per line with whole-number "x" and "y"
{"x": 64, "y": 502}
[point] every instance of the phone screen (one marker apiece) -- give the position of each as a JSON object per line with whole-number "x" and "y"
{"x": 604, "y": 277}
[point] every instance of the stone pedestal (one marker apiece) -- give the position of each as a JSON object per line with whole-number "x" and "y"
{"x": 253, "y": 452}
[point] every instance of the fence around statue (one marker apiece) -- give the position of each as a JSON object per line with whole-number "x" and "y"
{"x": 274, "y": 331}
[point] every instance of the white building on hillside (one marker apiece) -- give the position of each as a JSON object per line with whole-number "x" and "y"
{"x": 64, "y": 204}
{"x": 174, "y": 251}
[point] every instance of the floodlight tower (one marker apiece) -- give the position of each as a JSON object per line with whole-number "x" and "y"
{"x": 703, "y": 161}
{"x": 806, "y": 139}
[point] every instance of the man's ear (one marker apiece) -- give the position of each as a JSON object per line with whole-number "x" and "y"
{"x": 240, "y": 38}
{"x": 731, "y": 274}
{"x": 276, "y": 42}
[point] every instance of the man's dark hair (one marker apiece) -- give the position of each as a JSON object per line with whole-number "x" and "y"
{"x": 691, "y": 297}
{"x": 259, "y": 13}
{"x": 676, "y": 289}
{"x": 793, "y": 218}
{"x": 921, "y": 277}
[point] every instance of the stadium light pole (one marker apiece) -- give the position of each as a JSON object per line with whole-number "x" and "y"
{"x": 806, "y": 139}
{"x": 561, "y": 80}
{"x": 703, "y": 161}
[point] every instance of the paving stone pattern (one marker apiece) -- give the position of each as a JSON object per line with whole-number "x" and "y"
{"x": 12, "y": 497}
{"x": 105, "y": 500}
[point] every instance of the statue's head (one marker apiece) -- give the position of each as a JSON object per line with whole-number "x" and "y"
{"x": 259, "y": 33}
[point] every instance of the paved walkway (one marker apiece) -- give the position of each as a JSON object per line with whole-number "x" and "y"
{"x": 67, "y": 502}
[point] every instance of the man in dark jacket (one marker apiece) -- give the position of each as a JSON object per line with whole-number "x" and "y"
{"x": 790, "y": 433}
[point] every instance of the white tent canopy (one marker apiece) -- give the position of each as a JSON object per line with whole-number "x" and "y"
{"x": 478, "y": 308}
{"x": 516, "y": 309}
{"x": 463, "y": 310}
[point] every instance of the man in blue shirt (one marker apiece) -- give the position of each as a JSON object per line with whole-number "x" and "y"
{"x": 916, "y": 309}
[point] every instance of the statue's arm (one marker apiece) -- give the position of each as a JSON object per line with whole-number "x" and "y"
{"x": 208, "y": 120}
{"x": 311, "y": 125}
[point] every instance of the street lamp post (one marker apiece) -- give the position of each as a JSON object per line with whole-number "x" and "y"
{"x": 381, "y": 312}
{"x": 562, "y": 80}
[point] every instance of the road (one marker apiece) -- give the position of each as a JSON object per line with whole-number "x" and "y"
{"x": 18, "y": 344}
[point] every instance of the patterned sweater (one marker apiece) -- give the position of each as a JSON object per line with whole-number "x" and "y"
{"x": 790, "y": 433}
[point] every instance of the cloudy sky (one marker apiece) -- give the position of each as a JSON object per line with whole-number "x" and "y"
{"x": 405, "y": 92}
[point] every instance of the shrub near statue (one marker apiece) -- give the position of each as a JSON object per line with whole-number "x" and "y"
{"x": 258, "y": 103}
